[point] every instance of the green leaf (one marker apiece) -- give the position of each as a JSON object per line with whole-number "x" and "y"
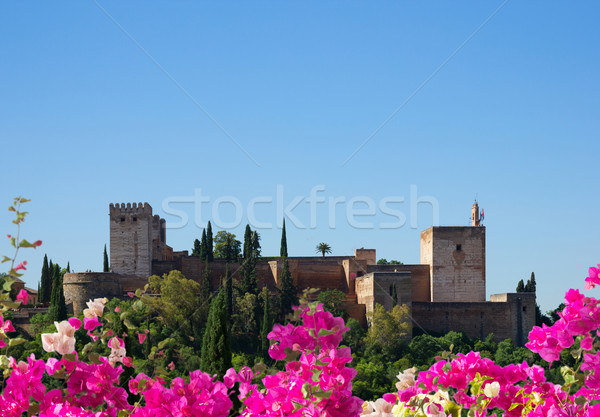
{"x": 71, "y": 357}
{"x": 8, "y": 284}
{"x": 6, "y": 259}
{"x": 94, "y": 357}
{"x": 25, "y": 244}
{"x": 129, "y": 324}
{"x": 87, "y": 348}
{"x": 16, "y": 342}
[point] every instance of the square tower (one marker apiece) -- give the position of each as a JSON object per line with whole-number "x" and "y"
{"x": 131, "y": 239}
{"x": 456, "y": 259}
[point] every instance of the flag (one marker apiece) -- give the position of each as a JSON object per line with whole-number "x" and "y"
{"x": 482, "y": 215}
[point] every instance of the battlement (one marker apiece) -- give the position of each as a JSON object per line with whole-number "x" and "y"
{"x": 129, "y": 208}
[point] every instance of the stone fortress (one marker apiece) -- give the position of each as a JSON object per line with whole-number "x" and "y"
{"x": 445, "y": 292}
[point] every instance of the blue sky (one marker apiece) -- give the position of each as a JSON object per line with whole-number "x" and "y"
{"x": 148, "y": 101}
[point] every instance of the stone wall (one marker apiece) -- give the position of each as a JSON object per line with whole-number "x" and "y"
{"x": 510, "y": 319}
{"x": 456, "y": 256}
{"x": 419, "y": 278}
{"x": 376, "y": 288}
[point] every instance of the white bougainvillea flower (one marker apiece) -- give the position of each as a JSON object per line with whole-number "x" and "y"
{"x": 492, "y": 390}
{"x": 63, "y": 342}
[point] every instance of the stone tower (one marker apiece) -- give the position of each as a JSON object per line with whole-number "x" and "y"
{"x": 475, "y": 220}
{"x": 456, "y": 259}
{"x": 131, "y": 239}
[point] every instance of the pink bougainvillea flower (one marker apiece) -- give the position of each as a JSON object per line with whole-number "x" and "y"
{"x": 117, "y": 309}
{"x": 128, "y": 361}
{"x": 171, "y": 366}
{"x": 36, "y": 243}
{"x": 594, "y": 277}
{"x": 141, "y": 337}
{"x": 23, "y": 296}
{"x": 90, "y": 323}
{"x": 75, "y": 322}
{"x": 6, "y": 326}
{"x": 130, "y": 294}
{"x": 21, "y": 266}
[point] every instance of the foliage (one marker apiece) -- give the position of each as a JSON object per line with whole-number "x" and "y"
{"x": 46, "y": 283}
{"x": 106, "y": 267}
{"x": 288, "y": 293}
{"x": 283, "y": 252}
{"x": 333, "y": 301}
{"x": 389, "y": 330}
{"x": 323, "y": 248}
{"x": 227, "y": 246}
{"x": 209, "y": 243}
{"x": 383, "y": 261}
{"x": 216, "y": 351}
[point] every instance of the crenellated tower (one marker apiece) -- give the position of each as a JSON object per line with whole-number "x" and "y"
{"x": 131, "y": 238}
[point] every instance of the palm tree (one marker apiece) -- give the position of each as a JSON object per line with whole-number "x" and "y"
{"x": 323, "y": 248}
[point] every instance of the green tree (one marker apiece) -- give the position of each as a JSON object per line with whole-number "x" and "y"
{"x": 68, "y": 268}
{"x": 283, "y": 252}
{"x": 389, "y": 330}
{"x": 521, "y": 286}
{"x": 209, "y": 243}
{"x": 204, "y": 297}
{"x": 383, "y": 261}
{"x": 333, "y": 301}
{"x": 246, "y": 318}
{"x": 267, "y": 323}
{"x": 46, "y": 283}
{"x": 531, "y": 286}
{"x": 178, "y": 300}
{"x": 203, "y": 246}
{"x": 394, "y": 294}
{"x": 323, "y": 248}
{"x": 288, "y": 291}
{"x": 227, "y": 246}
{"x": 197, "y": 249}
{"x": 106, "y": 266}
{"x": 58, "y": 307}
{"x": 228, "y": 285}
{"x": 216, "y": 350}
{"x": 247, "y": 242}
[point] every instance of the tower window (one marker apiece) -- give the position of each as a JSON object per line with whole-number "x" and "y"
{"x": 135, "y": 219}
{"x": 459, "y": 247}
{"x": 122, "y": 219}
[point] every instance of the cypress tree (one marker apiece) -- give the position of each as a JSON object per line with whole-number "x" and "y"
{"x": 267, "y": 324}
{"x": 247, "y": 243}
{"x": 283, "y": 251}
{"x": 394, "y": 295}
{"x": 106, "y": 266}
{"x": 46, "y": 283}
{"x": 289, "y": 293}
{"x": 228, "y": 292}
{"x": 209, "y": 243}
{"x": 520, "y": 286}
{"x": 58, "y": 308}
{"x": 68, "y": 267}
{"x": 203, "y": 245}
{"x": 216, "y": 350}
{"x": 196, "y": 250}
{"x": 531, "y": 283}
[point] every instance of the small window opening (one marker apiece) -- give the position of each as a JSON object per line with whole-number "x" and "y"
{"x": 459, "y": 247}
{"x": 135, "y": 219}
{"x": 524, "y": 308}
{"x": 391, "y": 290}
{"x": 122, "y": 219}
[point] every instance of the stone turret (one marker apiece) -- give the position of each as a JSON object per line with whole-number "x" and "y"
{"x": 475, "y": 220}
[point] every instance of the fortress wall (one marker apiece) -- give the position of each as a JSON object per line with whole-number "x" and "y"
{"x": 314, "y": 272}
{"x": 419, "y": 278}
{"x": 376, "y": 288}
{"x": 506, "y": 320}
{"x": 81, "y": 287}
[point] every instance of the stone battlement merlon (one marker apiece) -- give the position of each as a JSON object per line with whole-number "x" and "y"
{"x": 129, "y": 208}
